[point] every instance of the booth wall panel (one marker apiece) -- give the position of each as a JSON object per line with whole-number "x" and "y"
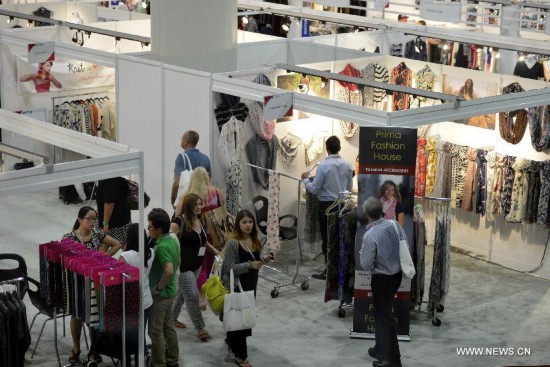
{"x": 254, "y": 55}
{"x": 140, "y": 119}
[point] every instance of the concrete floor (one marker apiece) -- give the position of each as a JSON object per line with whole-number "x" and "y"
{"x": 487, "y": 306}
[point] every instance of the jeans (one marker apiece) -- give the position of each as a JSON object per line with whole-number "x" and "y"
{"x": 165, "y": 351}
{"x": 384, "y": 288}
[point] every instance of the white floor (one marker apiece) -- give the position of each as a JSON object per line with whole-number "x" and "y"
{"x": 487, "y": 306}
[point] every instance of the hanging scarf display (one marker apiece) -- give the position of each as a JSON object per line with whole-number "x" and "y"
{"x": 512, "y": 130}
{"x": 533, "y": 192}
{"x": 498, "y": 183}
{"x": 518, "y": 197}
{"x": 469, "y": 180}
{"x": 230, "y": 143}
{"x": 288, "y": 150}
{"x": 349, "y": 93}
{"x": 312, "y": 231}
{"x": 313, "y": 149}
{"x": 233, "y": 189}
{"x": 421, "y": 162}
{"x": 431, "y": 165}
{"x": 262, "y": 153}
{"x": 544, "y": 197}
{"x": 539, "y": 125}
{"x": 401, "y": 75}
{"x": 508, "y": 184}
{"x": 481, "y": 182}
{"x": 459, "y": 162}
{"x": 264, "y": 129}
{"x": 273, "y": 211}
{"x": 490, "y": 158}
{"x": 443, "y": 177}
{"x": 418, "y": 255}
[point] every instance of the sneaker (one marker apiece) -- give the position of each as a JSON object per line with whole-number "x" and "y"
{"x": 374, "y": 355}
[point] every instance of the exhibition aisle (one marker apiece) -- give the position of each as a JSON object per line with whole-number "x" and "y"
{"x": 487, "y": 306}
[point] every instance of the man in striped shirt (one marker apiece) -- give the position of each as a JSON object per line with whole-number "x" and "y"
{"x": 380, "y": 255}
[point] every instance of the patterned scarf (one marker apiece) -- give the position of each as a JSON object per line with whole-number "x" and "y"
{"x": 388, "y": 207}
{"x": 540, "y": 127}
{"x": 421, "y": 162}
{"x": 469, "y": 181}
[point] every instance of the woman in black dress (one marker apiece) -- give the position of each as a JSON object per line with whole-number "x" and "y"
{"x": 242, "y": 254}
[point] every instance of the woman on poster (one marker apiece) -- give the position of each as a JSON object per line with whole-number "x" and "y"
{"x": 43, "y": 78}
{"x": 390, "y": 198}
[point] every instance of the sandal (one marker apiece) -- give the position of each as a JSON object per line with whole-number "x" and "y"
{"x": 242, "y": 363}
{"x": 96, "y": 357}
{"x": 180, "y": 325}
{"x": 74, "y": 357}
{"x": 203, "y": 335}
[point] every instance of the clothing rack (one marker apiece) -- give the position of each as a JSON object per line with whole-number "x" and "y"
{"x": 16, "y": 282}
{"x": 299, "y": 258}
{"x": 443, "y": 209}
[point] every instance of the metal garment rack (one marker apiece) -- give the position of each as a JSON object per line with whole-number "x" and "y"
{"x": 299, "y": 259}
{"x": 446, "y": 201}
{"x": 16, "y": 282}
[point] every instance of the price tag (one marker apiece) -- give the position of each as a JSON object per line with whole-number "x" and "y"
{"x": 201, "y": 251}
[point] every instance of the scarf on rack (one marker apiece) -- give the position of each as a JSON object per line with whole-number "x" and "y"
{"x": 518, "y": 197}
{"x": 510, "y": 130}
{"x": 288, "y": 149}
{"x": 490, "y": 157}
{"x": 442, "y": 186}
{"x": 544, "y": 197}
{"x": 262, "y": 153}
{"x": 263, "y": 129}
{"x": 469, "y": 181}
{"x": 273, "y": 241}
{"x": 498, "y": 183}
{"x": 533, "y": 192}
{"x": 481, "y": 182}
{"x": 233, "y": 188}
{"x": 388, "y": 207}
{"x": 421, "y": 162}
{"x": 313, "y": 149}
{"x": 430, "y": 166}
{"x": 540, "y": 127}
{"x": 459, "y": 163}
{"x": 508, "y": 184}
{"x": 230, "y": 142}
{"x": 349, "y": 93}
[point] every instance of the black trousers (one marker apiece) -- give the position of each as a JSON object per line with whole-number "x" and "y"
{"x": 384, "y": 288}
{"x": 237, "y": 342}
{"x": 322, "y": 218}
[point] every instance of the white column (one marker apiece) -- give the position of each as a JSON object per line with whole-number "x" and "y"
{"x": 197, "y": 34}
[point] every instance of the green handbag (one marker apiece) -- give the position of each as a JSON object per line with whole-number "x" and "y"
{"x": 214, "y": 290}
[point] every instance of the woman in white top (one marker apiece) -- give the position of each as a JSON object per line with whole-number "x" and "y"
{"x": 131, "y": 256}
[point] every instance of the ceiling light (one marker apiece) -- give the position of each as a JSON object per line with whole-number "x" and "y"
{"x": 144, "y": 4}
{"x": 245, "y": 20}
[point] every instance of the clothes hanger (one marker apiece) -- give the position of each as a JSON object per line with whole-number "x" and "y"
{"x": 334, "y": 205}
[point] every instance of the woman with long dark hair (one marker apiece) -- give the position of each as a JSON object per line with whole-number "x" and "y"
{"x": 242, "y": 254}
{"x": 85, "y": 231}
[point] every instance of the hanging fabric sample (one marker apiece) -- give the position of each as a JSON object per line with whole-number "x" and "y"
{"x": 512, "y": 124}
{"x": 459, "y": 163}
{"x": 349, "y": 93}
{"x": 401, "y": 75}
{"x": 313, "y": 149}
{"x": 416, "y": 49}
{"x": 312, "y": 231}
{"x": 468, "y": 198}
{"x": 233, "y": 189}
{"x": 431, "y": 165}
{"x": 262, "y": 153}
{"x": 421, "y": 163}
{"x": 539, "y": 125}
{"x": 288, "y": 150}
{"x": 533, "y": 192}
{"x": 273, "y": 211}
{"x": 518, "y": 197}
{"x": 508, "y": 184}
{"x": 372, "y": 97}
{"x": 341, "y": 256}
{"x": 481, "y": 182}
{"x": 441, "y": 265}
{"x": 230, "y": 143}
{"x": 424, "y": 79}
{"x": 264, "y": 129}
{"x": 418, "y": 255}
{"x": 443, "y": 175}
{"x": 490, "y": 157}
{"x": 231, "y": 106}
{"x": 544, "y": 197}
{"x": 498, "y": 183}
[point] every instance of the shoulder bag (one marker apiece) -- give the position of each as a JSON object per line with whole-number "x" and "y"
{"x": 219, "y": 224}
{"x": 239, "y": 308}
{"x": 405, "y": 260}
{"x": 213, "y": 289}
{"x": 185, "y": 177}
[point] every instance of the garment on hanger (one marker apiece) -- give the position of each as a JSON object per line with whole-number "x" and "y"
{"x": 416, "y": 49}
{"x": 341, "y": 256}
{"x": 288, "y": 150}
{"x": 262, "y": 79}
{"x": 313, "y": 149}
{"x": 524, "y": 71}
{"x": 263, "y": 129}
{"x": 430, "y": 165}
{"x": 539, "y": 127}
{"x": 512, "y": 124}
{"x": 95, "y": 117}
{"x": 461, "y": 59}
{"x": 396, "y": 50}
{"x": 544, "y": 197}
{"x": 518, "y": 197}
{"x": 509, "y": 175}
{"x": 15, "y": 337}
{"x": 459, "y": 163}
{"x": 441, "y": 264}
{"x": 349, "y": 93}
{"x": 443, "y": 177}
{"x": 263, "y": 154}
{"x": 490, "y": 157}
{"x": 481, "y": 182}
{"x": 273, "y": 211}
{"x": 230, "y": 143}
{"x": 420, "y": 170}
{"x": 43, "y": 13}
{"x": 468, "y": 198}
{"x": 533, "y": 192}
{"x": 230, "y": 106}
{"x": 401, "y": 75}
{"x": 233, "y": 188}
{"x": 498, "y": 183}
{"x": 418, "y": 256}
{"x": 378, "y": 73}
{"x": 424, "y": 79}
{"x": 312, "y": 231}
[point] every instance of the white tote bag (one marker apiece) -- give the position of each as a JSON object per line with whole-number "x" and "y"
{"x": 185, "y": 177}
{"x": 239, "y": 309}
{"x": 405, "y": 260}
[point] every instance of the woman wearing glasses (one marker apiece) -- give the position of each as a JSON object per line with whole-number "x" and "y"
{"x": 86, "y": 232}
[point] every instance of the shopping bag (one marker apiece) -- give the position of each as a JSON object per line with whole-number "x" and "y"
{"x": 239, "y": 308}
{"x": 132, "y": 195}
{"x": 185, "y": 178}
{"x": 219, "y": 224}
{"x": 214, "y": 290}
{"x": 405, "y": 260}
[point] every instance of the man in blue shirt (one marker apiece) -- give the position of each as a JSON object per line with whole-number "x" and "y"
{"x": 380, "y": 255}
{"x": 334, "y": 175}
{"x": 189, "y": 141}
